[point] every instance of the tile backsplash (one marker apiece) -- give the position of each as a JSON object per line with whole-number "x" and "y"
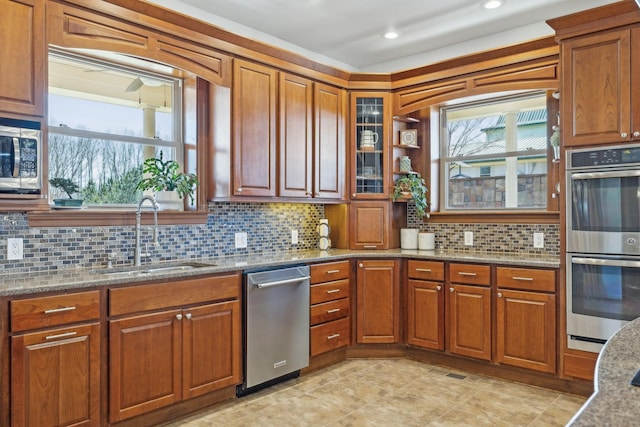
{"x": 268, "y": 226}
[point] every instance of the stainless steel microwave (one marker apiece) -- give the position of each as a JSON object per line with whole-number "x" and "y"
{"x": 20, "y": 156}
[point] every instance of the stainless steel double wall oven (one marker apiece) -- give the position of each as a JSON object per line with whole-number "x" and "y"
{"x": 603, "y": 243}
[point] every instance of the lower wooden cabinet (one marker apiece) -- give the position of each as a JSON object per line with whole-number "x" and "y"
{"x": 425, "y": 317}
{"x": 55, "y": 377}
{"x": 378, "y": 301}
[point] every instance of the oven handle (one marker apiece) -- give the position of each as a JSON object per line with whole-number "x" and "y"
{"x": 609, "y": 174}
{"x": 609, "y": 262}
{"x": 16, "y": 157}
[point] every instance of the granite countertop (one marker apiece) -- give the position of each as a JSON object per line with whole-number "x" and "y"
{"x": 78, "y": 278}
{"x": 615, "y": 402}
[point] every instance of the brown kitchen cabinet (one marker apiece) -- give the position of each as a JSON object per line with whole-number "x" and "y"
{"x": 378, "y": 301}
{"x": 330, "y": 307}
{"x": 24, "y": 56}
{"x": 172, "y": 341}
{"x": 376, "y": 224}
{"x": 469, "y": 305}
{"x": 526, "y": 318}
{"x": 254, "y": 129}
{"x": 55, "y": 360}
{"x": 601, "y": 87}
{"x": 426, "y": 296}
{"x": 312, "y": 139}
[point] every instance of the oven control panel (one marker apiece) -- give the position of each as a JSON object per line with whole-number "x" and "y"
{"x": 604, "y": 157}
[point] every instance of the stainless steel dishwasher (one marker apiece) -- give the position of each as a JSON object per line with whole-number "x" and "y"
{"x": 276, "y": 335}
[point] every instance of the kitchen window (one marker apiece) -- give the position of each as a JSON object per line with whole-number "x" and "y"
{"x": 105, "y": 118}
{"x": 495, "y": 153}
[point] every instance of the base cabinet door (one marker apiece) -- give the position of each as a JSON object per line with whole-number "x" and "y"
{"x": 425, "y": 314}
{"x": 55, "y": 377}
{"x": 470, "y": 321}
{"x": 526, "y": 330}
{"x": 145, "y": 363}
{"x": 212, "y": 341}
{"x": 378, "y": 302}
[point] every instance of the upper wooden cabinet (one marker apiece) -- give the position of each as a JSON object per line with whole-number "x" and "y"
{"x": 254, "y": 129}
{"x": 24, "y": 52}
{"x": 601, "y": 87}
{"x": 329, "y": 137}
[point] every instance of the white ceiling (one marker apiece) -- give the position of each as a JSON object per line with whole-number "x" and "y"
{"x": 348, "y": 33}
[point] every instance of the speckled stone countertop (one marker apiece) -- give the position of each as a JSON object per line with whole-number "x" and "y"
{"x": 615, "y": 402}
{"x": 78, "y": 278}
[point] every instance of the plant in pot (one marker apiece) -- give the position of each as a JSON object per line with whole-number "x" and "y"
{"x": 69, "y": 187}
{"x": 170, "y": 185}
{"x": 412, "y": 187}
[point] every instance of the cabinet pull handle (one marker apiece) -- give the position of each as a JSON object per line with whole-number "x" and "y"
{"x": 438, "y": 288}
{"x": 333, "y": 291}
{"x": 462, "y": 273}
{"x": 527, "y": 279}
{"x": 188, "y": 316}
{"x": 59, "y": 310}
{"x": 426, "y": 270}
{"x": 624, "y": 135}
{"x": 499, "y": 294}
{"x": 451, "y": 289}
{"x": 179, "y": 316}
{"x": 64, "y": 335}
{"x": 330, "y": 337}
{"x": 334, "y": 310}
{"x": 636, "y": 134}
{"x": 369, "y": 246}
{"x": 361, "y": 265}
{"x": 333, "y": 271}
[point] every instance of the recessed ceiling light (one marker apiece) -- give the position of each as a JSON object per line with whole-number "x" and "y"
{"x": 491, "y": 4}
{"x": 390, "y": 35}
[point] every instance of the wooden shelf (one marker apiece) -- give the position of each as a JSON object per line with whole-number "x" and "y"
{"x": 405, "y": 173}
{"x": 413, "y": 147}
{"x": 405, "y": 119}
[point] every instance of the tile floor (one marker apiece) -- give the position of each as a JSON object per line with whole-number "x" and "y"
{"x": 392, "y": 392}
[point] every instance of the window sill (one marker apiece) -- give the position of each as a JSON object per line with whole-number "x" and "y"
{"x": 86, "y": 218}
{"x": 495, "y": 217}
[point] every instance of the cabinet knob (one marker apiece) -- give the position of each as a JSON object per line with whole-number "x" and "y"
{"x": 179, "y": 316}
{"x": 451, "y": 289}
{"x": 636, "y": 134}
{"x": 438, "y": 288}
{"x": 624, "y": 135}
{"x": 353, "y": 195}
{"x": 188, "y": 316}
{"x": 499, "y": 294}
{"x": 361, "y": 265}
{"x": 239, "y": 190}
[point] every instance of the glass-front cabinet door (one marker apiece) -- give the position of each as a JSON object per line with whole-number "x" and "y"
{"x": 370, "y": 113}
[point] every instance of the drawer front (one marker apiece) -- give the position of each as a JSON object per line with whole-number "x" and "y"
{"x": 131, "y": 299}
{"x": 329, "y": 271}
{"x": 472, "y": 274}
{"x": 54, "y": 310}
{"x": 426, "y": 270}
{"x": 332, "y": 310}
{"x": 329, "y": 291}
{"x": 329, "y": 336}
{"x": 527, "y": 279}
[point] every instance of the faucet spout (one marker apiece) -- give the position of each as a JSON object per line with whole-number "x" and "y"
{"x": 138, "y": 252}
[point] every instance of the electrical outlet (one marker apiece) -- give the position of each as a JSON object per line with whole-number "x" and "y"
{"x": 294, "y": 237}
{"x": 241, "y": 240}
{"x": 15, "y": 248}
{"x": 468, "y": 238}
{"x": 538, "y": 240}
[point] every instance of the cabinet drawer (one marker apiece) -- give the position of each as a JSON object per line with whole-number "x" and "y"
{"x": 329, "y": 271}
{"x": 329, "y": 336}
{"x": 329, "y": 291}
{"x": 526, "y": 279}
{"x": 55, "y": 310}
{"x": 332, "y": 310}
{"x": 472, "y": 274}
{"x": 426, "y": 270}
{"x": 175, "y": 294}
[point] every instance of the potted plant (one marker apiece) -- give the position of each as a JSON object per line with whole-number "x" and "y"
{"x": 412, "y": 186}
{"x": 163, "y": 176}
{"x": 69, "y": 187}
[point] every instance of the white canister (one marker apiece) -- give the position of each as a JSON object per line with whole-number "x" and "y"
{"x": 426, "y": 241}
{"x": 409, "y": 238}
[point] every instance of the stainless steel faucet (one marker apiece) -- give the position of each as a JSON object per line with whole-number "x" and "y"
{"x": 138, "y": 252}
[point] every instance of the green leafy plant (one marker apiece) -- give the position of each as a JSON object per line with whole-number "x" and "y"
{"x": 164, "y": 176}
{"x": 413, "y": 186}
{"x": 66, "y": 185}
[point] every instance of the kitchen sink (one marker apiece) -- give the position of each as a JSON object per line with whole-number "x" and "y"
{"x": 150, "y": 270}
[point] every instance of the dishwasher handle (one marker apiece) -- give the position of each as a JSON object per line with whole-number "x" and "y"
{"x": 282, "y": 282}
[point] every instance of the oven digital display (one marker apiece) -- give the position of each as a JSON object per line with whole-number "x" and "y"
{"x": 609, "y": 157}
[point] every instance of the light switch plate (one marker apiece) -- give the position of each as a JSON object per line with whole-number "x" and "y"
{"x": 538, "y": 240}
{"x": 468, "y": 238}
{"x": 294, "y": 237}
{"x": 241, "y": 240}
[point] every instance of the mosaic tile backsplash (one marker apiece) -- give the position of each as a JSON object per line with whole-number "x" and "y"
{"x": 268, "y": 226}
